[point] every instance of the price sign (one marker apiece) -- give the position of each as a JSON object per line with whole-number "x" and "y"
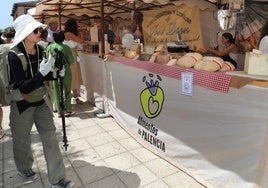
{"x": 187, "y": 83}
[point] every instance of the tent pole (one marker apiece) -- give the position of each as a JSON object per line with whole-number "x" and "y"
{"x": 43, "y": 18}
{"x": 102, "y": 28}
{"x": 59, "y": 20}
{"x": 103, "y": 113}
{"x": 59, "y": 10}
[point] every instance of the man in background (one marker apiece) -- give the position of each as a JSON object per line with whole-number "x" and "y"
{"x": 9, "y": 36}
{"x": 2, "y": 41}
{"x": 52, "y": 28}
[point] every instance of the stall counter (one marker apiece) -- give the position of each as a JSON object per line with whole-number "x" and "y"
{"x": 92, "y": 75}
{"x": 217, "y": 137}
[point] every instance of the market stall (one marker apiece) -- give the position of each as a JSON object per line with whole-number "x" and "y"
{"x": 83, "y": 11}
{"x": 218, "y": 134}
{"x": 212, "y": 125}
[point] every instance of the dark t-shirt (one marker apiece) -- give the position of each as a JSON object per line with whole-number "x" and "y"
{"x": 231, "y": 60}
{"x": 28, "y": 80}
{"x": 110, "y": 35}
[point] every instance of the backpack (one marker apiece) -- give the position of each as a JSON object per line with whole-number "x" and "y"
{"x": 5, "y": 87}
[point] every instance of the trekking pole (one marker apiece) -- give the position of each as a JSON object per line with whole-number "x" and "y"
{"x": 65, "y": 141}
{"x": 59, "y": 65}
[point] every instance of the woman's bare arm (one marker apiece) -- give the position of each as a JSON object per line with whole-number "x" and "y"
{"x": 73, "y": 37}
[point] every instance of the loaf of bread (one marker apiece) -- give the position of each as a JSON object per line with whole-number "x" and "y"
{"x": 172, "y": 62}
{"x": 189, "y": 59}
{"x": 130, "y": 54}
{"x": 209, "y": 64}
{"x": 163, "y": 57}
{"x": 227, "y": 66}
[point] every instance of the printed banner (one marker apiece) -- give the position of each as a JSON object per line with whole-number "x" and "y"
{"x": 163, "y": 25}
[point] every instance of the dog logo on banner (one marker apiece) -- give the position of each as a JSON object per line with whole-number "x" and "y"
{"x": 152, "y": 97}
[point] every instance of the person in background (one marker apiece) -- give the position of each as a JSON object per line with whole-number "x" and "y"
{"x": 110, "y": 34}
{"x": 52, "y": 28}
{"x": 107, "y": 28}
{"x": 3, "y": 36}
{"x": 73, "y": 40}
{"x": 9, "y": 36}
{"x": 32, "y": 108}
{"x": 43, "y": 42}
{"x": 2, "y": 41}
{"x": 127, "y": 38}
{"x": 67, "y": 77}
{"x": 2, "y": 133}
{"x": 137, "y": 20}
{"x": 230, "y": 50}
{"x": 263, "y": 45}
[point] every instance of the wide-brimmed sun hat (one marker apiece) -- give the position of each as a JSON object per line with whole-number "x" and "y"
{"x": 24, "y": 25}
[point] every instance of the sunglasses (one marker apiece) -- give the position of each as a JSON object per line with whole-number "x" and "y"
{"x": 40, "y": 29}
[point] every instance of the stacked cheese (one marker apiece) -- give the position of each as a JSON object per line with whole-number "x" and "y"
{"x": 256, "y": 63}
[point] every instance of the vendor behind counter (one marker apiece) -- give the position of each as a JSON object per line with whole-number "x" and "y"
{"x": 229, "y": 52}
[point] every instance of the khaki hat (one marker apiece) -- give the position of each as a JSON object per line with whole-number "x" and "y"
{"x": 24, "y": 25}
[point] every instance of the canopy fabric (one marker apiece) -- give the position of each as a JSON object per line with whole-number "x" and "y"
{"x": 202, "y": 5}
{"x": 118, "y": 8}
{"x": 47, "y": 9}
{"x": 61, "y": 10}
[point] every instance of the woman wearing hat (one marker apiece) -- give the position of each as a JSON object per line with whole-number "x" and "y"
{"x": 32, "y": 108}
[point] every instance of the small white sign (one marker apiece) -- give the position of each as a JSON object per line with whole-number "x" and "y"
{"x": 187, "y": 83}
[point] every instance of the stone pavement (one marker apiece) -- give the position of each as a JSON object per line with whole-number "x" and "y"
{"x": 100, "y": 155}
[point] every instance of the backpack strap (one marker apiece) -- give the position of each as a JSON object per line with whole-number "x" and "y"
{"x": 21, "y": 56}
{"x": 23, "y": 60}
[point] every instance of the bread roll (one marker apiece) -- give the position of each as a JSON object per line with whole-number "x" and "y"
{"x": 153, "y": 57}
{"x": 163, "y": 58}
{"x": 209, "y": 64}
{"x": 227, "y": 66}
{"x": 172, "y": 62}
{"x": 130, "y": 54}
{"x": 189, "y": 59}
